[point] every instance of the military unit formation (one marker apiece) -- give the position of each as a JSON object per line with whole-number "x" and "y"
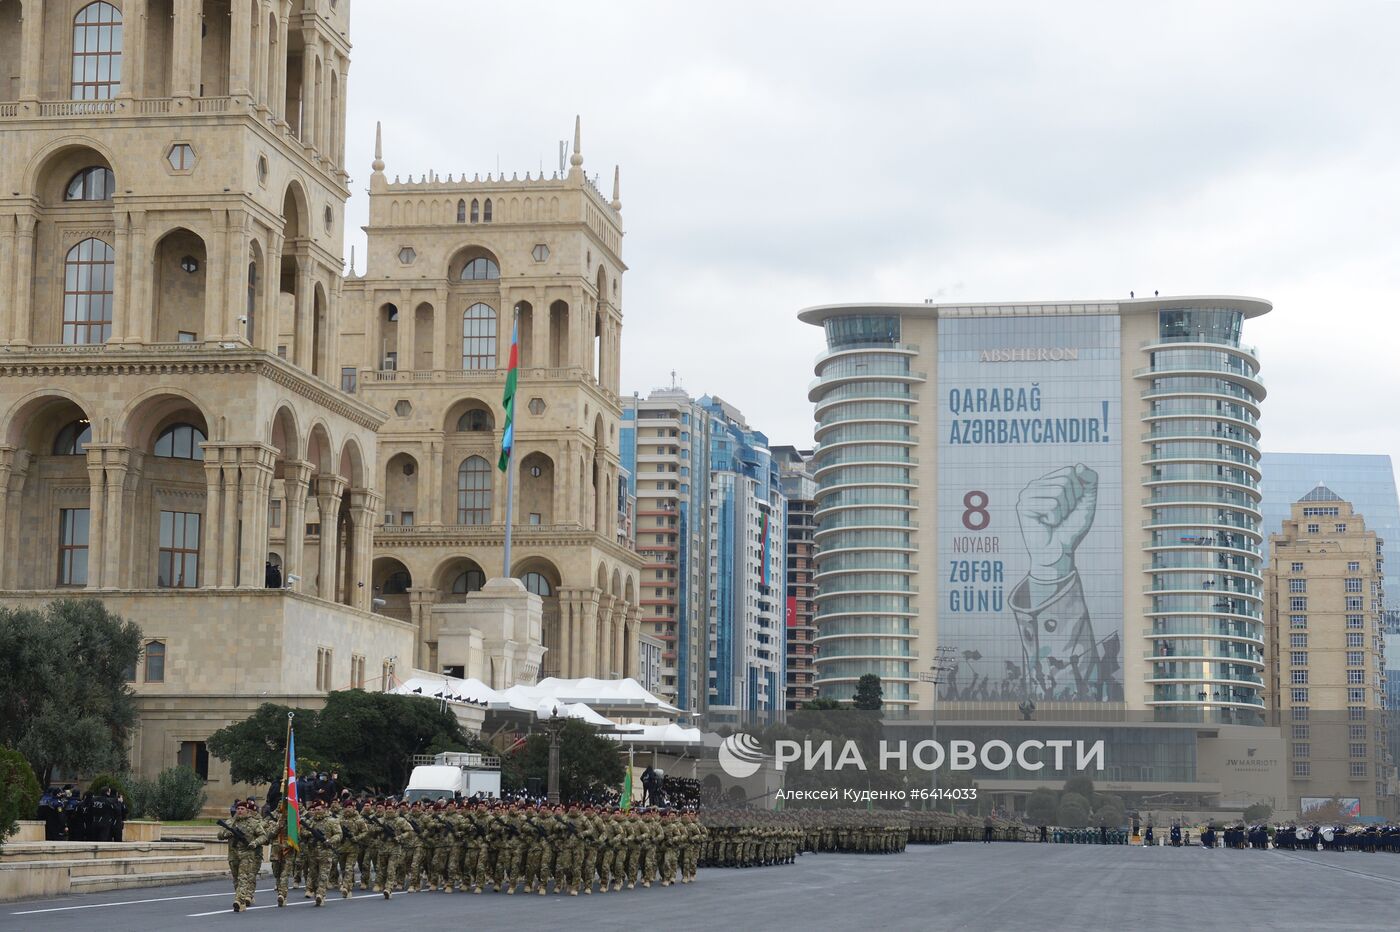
{"x": 387, "y": 846}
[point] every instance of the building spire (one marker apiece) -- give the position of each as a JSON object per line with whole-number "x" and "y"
{"x": 378, "y": 164}
{"x": 617, "y": 188}
{"x": 576, "y": 160}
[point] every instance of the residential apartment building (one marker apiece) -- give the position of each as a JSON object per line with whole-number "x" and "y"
{"x": 747, "y": 565}
{"x": 799, "y": 492}
{"x": 1368, "y": 482}
{"x": 1326, "y": 672}
{"x": 666, "y": 447}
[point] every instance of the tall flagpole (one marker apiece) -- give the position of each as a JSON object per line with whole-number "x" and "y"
{"x": 510, "y": 453}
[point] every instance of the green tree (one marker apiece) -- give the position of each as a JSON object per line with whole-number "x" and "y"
{"x": 256, "y": 748}
{"x": 1259, "y": 812}
{"x": 1081, "y": 786}
{"x": 179, "y": 794}
{"x": 1110, "y": 812}
{"x": 870, "y": 695}
{"x": 1041, "y": 806}
{"x": 372, "y": 736}
{"x": 64, "y": 698}
{"x": 19, "y": 792}
{"x": 822, "y": 704}
{"x": 369, "y": 738}
{"x": 588, "y": 762}
{"x": 1073, "y": 811}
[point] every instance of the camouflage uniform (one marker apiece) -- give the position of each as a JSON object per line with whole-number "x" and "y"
{"x": 354, "y": 832}
{"x": 320, "y": 850}
{"x": 244, "y": 854}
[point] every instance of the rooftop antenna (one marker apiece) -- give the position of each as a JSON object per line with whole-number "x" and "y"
{"x": 673, "y": 378}
{"x": 563, "y": 155}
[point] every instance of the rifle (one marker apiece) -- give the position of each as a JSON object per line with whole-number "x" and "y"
{"x": 515, "y": 832}
{"x": 235, "y": 832}
{"x": 316, "y": 833}
{"x": 386, "y": 829}
{"x": 567, "y": 824}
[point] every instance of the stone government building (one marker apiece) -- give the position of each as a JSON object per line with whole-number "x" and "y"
{"x": 191, "y": 390}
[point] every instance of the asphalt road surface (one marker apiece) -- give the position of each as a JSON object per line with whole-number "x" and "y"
{"x": 963, "y": 886}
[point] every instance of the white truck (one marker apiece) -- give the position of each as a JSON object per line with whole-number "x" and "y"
{"x": 453, "y": 774}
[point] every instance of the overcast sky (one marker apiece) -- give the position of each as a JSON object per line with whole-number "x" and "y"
{"x": 777, "y": 155}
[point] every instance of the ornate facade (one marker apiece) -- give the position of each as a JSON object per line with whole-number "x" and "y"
{"x": 425, "y": 335}
{"x": 174, "y": 437}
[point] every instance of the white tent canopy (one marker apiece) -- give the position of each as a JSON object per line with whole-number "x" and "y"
{"x": 573, "y": 698}
{"x": 451, "y": 688}
{"x": 659, "y": 734}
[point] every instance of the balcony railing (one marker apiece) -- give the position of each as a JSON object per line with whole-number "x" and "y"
{"x": 118, "y": 107}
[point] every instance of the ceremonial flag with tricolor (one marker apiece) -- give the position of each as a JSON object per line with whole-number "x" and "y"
{"x": 291, "y": 836}
{"x": 508, "y": 400}
{"x": 626, "y": 802}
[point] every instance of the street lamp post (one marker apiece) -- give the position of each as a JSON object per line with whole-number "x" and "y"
{"x": 553, "y": 725}
{"x": 942, "y": 665}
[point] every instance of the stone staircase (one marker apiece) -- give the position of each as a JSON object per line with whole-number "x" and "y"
{"x": 57, "y": 868}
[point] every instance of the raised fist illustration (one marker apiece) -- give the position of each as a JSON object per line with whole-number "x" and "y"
{"x": 1055, "y": 512}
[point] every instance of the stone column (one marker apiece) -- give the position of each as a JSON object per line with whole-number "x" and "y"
{"x": 31, "y": 44}
{"x": 240, "y": 50}
{"x": 137, "y": 318}
{"x": 407, "y": 332}
{"x": 434, "y": 488}
{"x": 329, "y": 490}
{"x": 607, "y": 606}
{"x": 117, "y": 461}
{"x": 7, "y": 555}
{"x": 262, "y": 44}
{"x": 305, "y": 313}
{"x": 16, "y": 463}
{"x": 216, "y": 281}
{"x": 211, "y": 537}
{"x": 22, "y": 323}
{"x": 255, "y": 491}
{"x": 269, "y": 325}
{"x": 420, "y": 611}
{"x": 133, "y": 49}
{"x": 7, "y": 278}
{"x": 233, "y": 300}
{"x": 277, "y": 93}
{"x": 121, "y": 286}
{"x": 296, "y": 476}
{"x": 186, "y": 58}
{"x": 229, "y": 542}
{"x": 586, "y": 652}
{"x": 364, "y": 508}
{"x": 307, "y": 128}
{"x": 97, "y": 506}
{"x": 337, "y": 156}
{"x": 445, "y": 356}
{"x": 631, "y": 643}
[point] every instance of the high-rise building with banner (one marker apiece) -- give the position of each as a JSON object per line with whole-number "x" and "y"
{"x": 1065, "y": 494}
{"x": 800, "y": 490}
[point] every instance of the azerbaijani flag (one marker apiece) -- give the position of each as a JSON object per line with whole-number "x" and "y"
{"x": 626, "y": 802}
{"x": 508, "y": 400}
{"x": 290, "y": 803}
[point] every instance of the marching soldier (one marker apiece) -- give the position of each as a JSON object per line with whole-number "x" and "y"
{"x": 245, "y": 835}
{"x": 320, "y": 840}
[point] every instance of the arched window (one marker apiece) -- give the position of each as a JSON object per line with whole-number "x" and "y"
{"x": 73, "y": 439}
{"x": 486, "y": 212}
{"x": 481, "y": 269}
{"x": 536, "y": 583}
{"x": 91, "y": 184}
{"x": 397, "y": 583}
{"x": 155, "y": 661}
{"x": 181, "y": 442}
{"x": 252, "y": 299}
{"x": 476, "y": 419}
{"x": 469, "y": 581}
{"x": 479, "y": 337}
{"x": 97, "y": 52}
{"x": 461, "y": 211}
{"x": 474, "y": 491}
{"x": 87, "y": 293}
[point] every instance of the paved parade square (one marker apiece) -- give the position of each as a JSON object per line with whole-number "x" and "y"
{"x": 962, "y": 886}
